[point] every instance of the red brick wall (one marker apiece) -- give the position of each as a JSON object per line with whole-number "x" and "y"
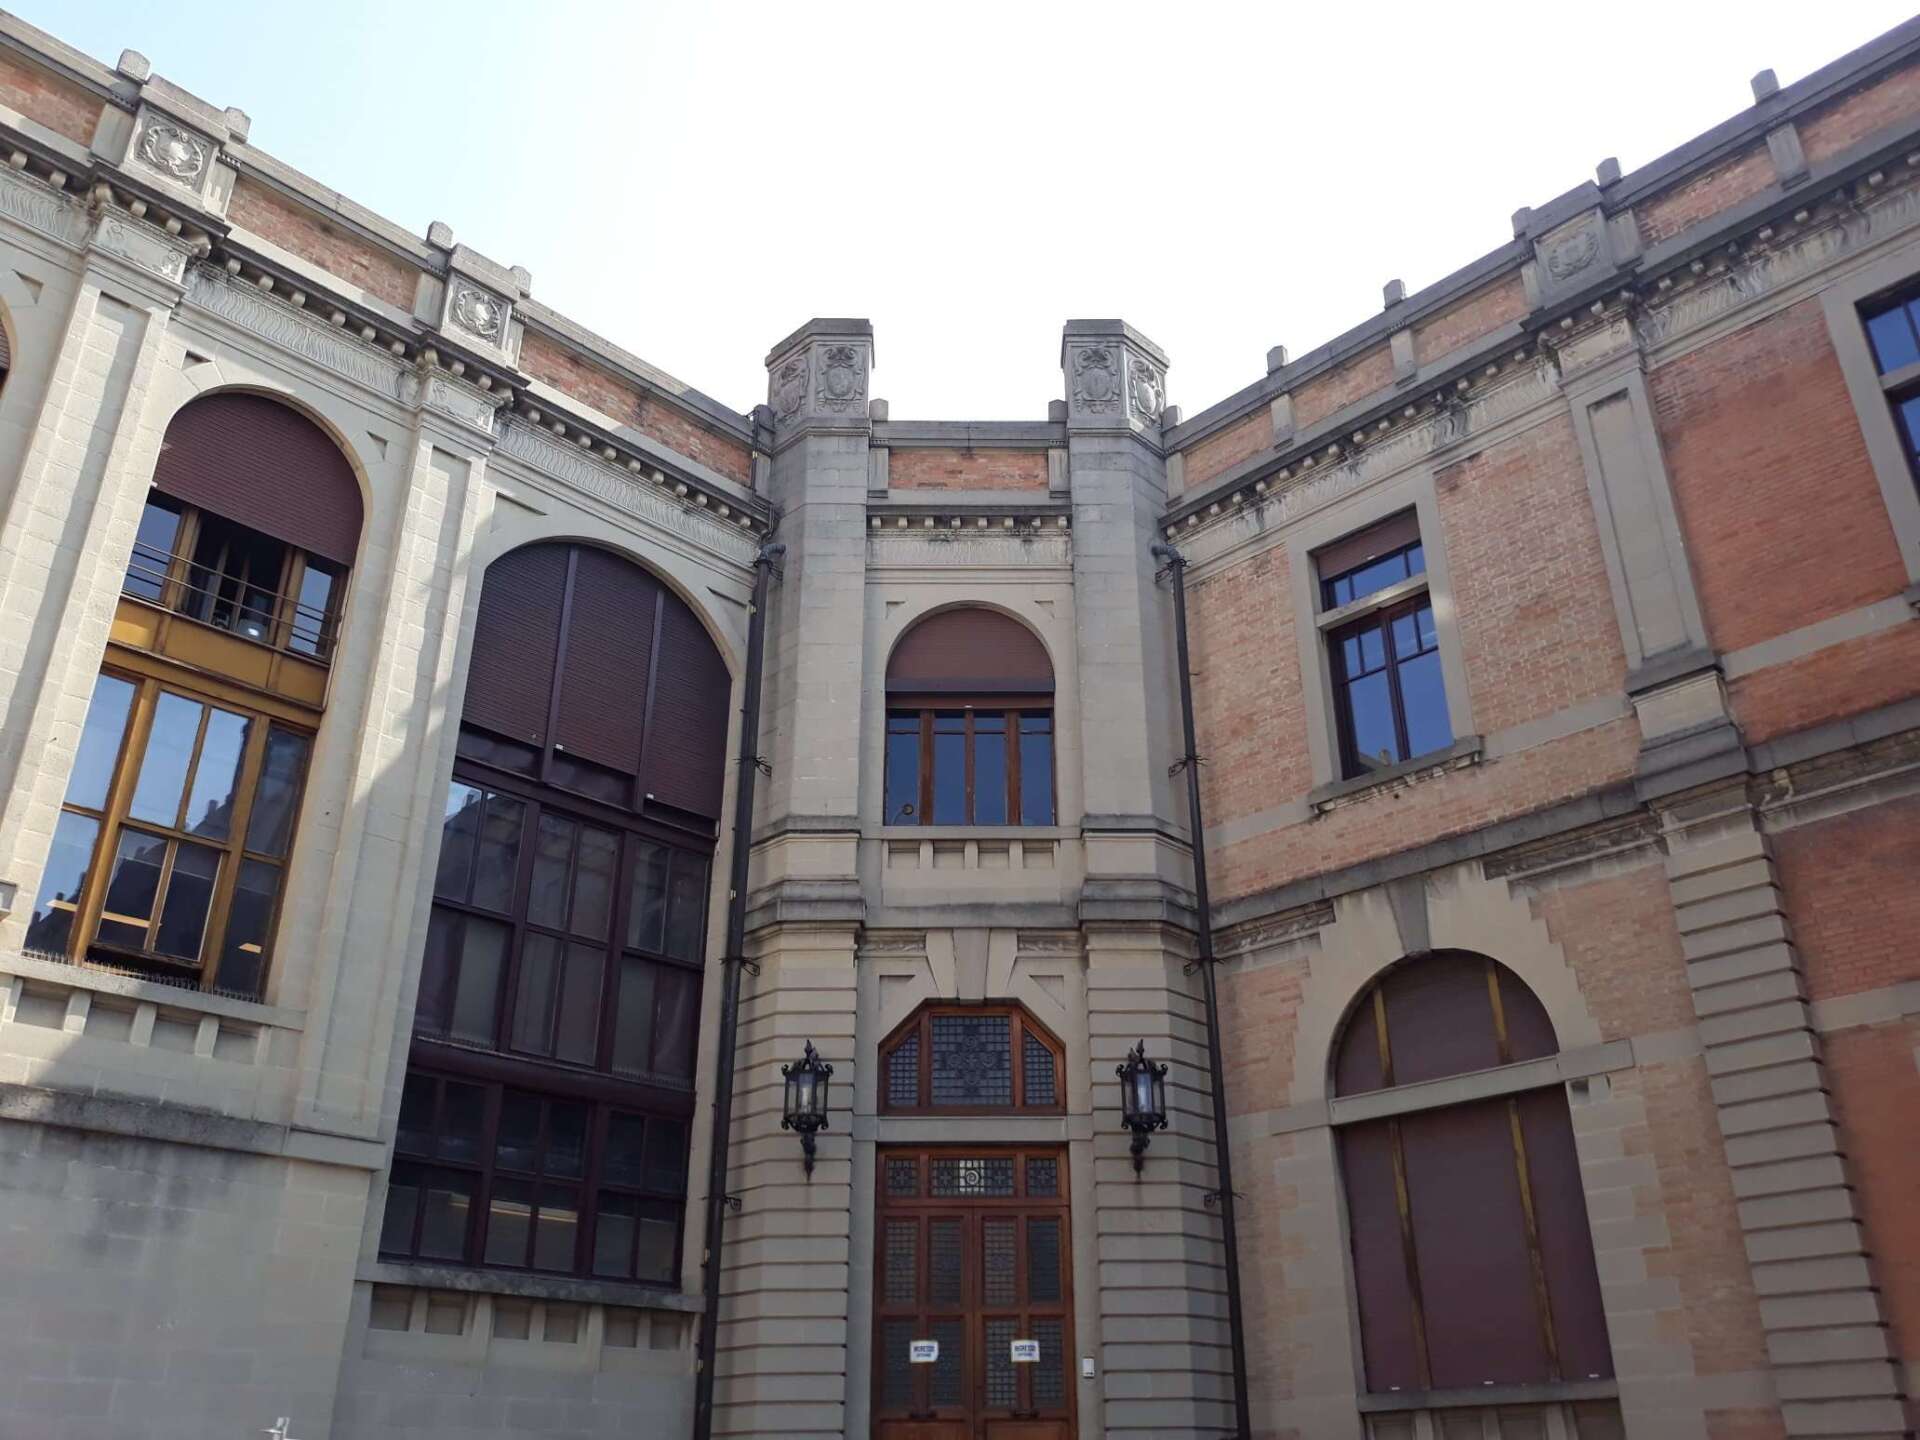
{"x": 1224, "y": 449}
{"x": 1482, "y": 312}
{"x": 1537, "y": 624}
{"x": 1337, "y": 389}
{"x": 1618, "y": 934}
{"x": 273, "y": 217}
{"x": 580, "y": 378}
{"x": 60, "y": 105}
{"x": 1737, "y": 178}
{"x": 918, "y": 469}
{"x": 1852, "y": 885}
{"x": 1828, "y": 684}
{"x": 1876, "y": 1095}
{"x": 1852, "y": 118}
{"x": 1783, "y": 518}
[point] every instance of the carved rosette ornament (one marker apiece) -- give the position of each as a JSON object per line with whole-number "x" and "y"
{"x": 173, "y": 151}
{"x": 1569, "y": 255}
{"x": 1096, "y": 379}
{"x": 479, "y": 313}
{"x": 843, "y": 380}
{"x": 1148, "y": 391}
{"x": 790, "y": 387}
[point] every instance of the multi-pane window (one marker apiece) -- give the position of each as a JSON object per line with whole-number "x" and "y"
{"x": 968, "y": 1058}
{"x": 557, "y": 938}
{"x": 1893, "y": 330}
{"x": 170, "y": 853}
{"x": 221, "y": 573}
{"x": 1390, "y": 701}
{"x": 969, "y": 766}
{"x": 485, "y": 1173}
{"x": 1471, "y": 1252}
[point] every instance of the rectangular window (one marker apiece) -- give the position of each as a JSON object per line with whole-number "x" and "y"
{"x": 1390, "y": 701}
{"x": 974, "y": 765}
{"x": 222, "y": 573}
{"x": 513, "y": 1178}
{"x": 172, "y": 844}
{"x": 1893, "y": 334}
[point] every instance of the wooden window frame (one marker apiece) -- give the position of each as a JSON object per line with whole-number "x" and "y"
{"x": 181, "y": 597}
{"x": 1371, "y": 1011}
{"x": 1020, "y": 1025}
{"x": 113, "y": 820}
{"x": 1012, "y": 712}
{"x": 487, "y": 1171}
{"x": 1381, "y": 607}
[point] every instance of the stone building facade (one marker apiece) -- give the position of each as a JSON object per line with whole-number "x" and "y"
{"x": 373, "y": 647}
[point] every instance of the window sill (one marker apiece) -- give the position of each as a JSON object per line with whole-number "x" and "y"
{"x": 78, "y": 976}
{"x": 472, "y": 1281}
{"x": 976, "y": 832}
{"x": 1551, "y": 1392}
{"x": 1467, "y": 750}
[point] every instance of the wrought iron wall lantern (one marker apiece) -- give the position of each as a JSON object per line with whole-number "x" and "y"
{"x": 807, "y": 1099}
{"x": 1143, "y": 1099}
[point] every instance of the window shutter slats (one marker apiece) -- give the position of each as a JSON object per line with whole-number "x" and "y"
{"x": 1370, "y": 544}
{"x": 608, "y": 657}
{"x": 516, "y": 639}
{"x": 687, "y": 736}
{"x": 263, "y": 465}
{"x": 1387, "y": 1337}
{"x": 970, "y": 651}
{"x": 1566, "y": 1242}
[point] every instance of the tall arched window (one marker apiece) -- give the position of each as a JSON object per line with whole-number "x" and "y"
{"x": 549, "y": 1095}
{"x": 1471, "y": 1253}
{"x": 969, "y": 723}
{"x": 172, "y": 845}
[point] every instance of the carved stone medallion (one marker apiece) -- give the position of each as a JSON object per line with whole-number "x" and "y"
{"x": 1148, "y": 390}
{"x": 790, "y": 387}
{"x": 843, "y": 381}
{"x": 172, "y": 151}
{"x": 479, "y": 313}
{"x": 1571, "y": 254}
{"x": 1096, "y": 378}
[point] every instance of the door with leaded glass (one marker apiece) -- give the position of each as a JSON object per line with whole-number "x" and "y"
{"x": 973, "y": 1322}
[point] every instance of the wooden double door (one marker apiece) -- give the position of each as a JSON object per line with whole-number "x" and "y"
{"x": 973, "y": 1253}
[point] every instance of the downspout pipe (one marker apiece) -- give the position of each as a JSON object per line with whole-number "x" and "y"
{"x": 732, "y": 961}
{"x": 1176, "y": 565}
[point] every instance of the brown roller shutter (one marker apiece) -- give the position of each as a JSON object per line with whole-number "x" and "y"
{"x": 1440, "y": 1018}
{"x": 1529, "y": 1031}
{"x": 263, "y": 465}
{"x": 687, "y": 724}
{"x": 1369, "y": 544}
{"x": 607, "y": 658}
{"x": 970, "y": 651}
{"x": 1356, "y": 1065}
{"x": 515, "y": 639}
{"x": 1470, "y": 1240}
{"x": 1566, "y": 1244}
{"x": 1388, "y": 1340}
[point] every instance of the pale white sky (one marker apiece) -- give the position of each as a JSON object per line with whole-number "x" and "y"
{"x": 694, "y": 181}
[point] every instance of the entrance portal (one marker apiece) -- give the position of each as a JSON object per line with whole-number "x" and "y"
{"x": 973, "y": 1298}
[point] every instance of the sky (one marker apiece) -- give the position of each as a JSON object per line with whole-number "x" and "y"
{"x": 695, "y": 181}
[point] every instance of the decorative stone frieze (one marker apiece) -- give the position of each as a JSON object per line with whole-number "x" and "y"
{"x": 1116, "y": 378}
{"x": 820, "y": 377}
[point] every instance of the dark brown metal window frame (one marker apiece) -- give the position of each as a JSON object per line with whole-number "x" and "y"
{"x": 919, "y": 1026}
{"x": 1902, "y": 383}
{"x": 1012, "y": 711}
{"x": 1352, "y": 763}
{"x": 592, "y": 1182}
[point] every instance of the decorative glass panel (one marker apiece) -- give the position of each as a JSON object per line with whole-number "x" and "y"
{"x": 903, "y": 1073}
{"x": 972, "y": 1060}
{"x": 1003, "y": 1382}
{"x": 1043, "y": 1260}
{"x": 1050, "y": 1375}
{"x": 999, "y": 1250}
{"x": 902, "y": 1262}
{"x": 989, "y": 1178}
{"x": 896, "y": 1368}
{"x": 1043, "y": 1178}
{"x": 945, "y": 1384}
{"x": 945, "y": 1252}
{"x": 903, "y": 1179}
{"x": 1040, "y": 1087}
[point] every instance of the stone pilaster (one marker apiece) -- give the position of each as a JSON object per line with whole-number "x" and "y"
{"x": 1826, "y": 1331}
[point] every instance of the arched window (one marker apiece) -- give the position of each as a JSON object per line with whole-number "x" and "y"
{"x": 969, "y": 723}
{"x": 172, "y": 846}
{"x": 961, "y": 1058}
{"x": 1471, "y": 1252}
{"x": 549, "y": 1095}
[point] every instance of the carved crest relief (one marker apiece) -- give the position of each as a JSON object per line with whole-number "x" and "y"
{"x": 843, "y": 380}
{"x": 790, "y": 387}
{"x": 1148, "y": 390}
{"x": 173, "y": 151}
{"x": 479, "y": 313}
{"x": 1570, "y": 254}
{"x": 1096, "y": 379}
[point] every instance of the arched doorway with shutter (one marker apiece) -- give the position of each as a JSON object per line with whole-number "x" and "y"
{"x": 1472, "y": 1261}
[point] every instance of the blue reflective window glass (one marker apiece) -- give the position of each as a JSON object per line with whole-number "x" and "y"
{"x": 1894, "y": 345}
{"x": 1370, "y": 712}
{"x": 989, "y": 769}
{"x": 1423, "y": 696}
{"x": 1036, "y": 770}
{"x": 950, "y": 768}
{"x": 903, "y": 768}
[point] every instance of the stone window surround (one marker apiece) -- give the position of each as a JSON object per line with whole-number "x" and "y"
{"x": 1415, "y": 489}
{"x": 1841, "y": 304}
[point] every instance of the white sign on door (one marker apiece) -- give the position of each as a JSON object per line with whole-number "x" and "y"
{"x": 925, "y": 1352}
{"x": 1026, "y": 1352}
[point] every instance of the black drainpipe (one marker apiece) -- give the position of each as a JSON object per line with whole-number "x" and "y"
{"x": 733, "y": 961}
{"x": 1176, "y": 564}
